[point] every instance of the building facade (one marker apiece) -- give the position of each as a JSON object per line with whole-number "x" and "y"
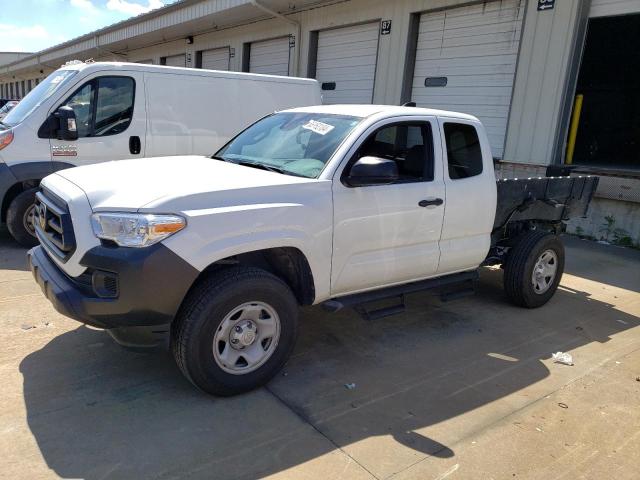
{"x": 554, "y": 81}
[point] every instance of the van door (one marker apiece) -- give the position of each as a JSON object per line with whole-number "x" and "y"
{"x": 110, "y": 117}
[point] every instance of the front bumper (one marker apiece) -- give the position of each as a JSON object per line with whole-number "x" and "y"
{"x": 150, "y": 286}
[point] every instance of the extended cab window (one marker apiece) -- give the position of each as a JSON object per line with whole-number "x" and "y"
{"x": 104, "y": 106}
{"x": 408, "y": 144}
{"x": 464, "y": 155}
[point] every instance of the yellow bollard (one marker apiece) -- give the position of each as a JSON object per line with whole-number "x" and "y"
{"x": 573, "y": 130}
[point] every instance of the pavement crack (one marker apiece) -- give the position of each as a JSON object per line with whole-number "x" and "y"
{"x": 306, "y": 420}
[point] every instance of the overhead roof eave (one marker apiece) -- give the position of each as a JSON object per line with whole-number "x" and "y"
{"x": 171, "y": 22}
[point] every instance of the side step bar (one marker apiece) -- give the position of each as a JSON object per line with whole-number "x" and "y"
{"x": 358, "y": 300}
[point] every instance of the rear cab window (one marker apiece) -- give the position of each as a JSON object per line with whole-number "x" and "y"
{"x": 464, "y": 154}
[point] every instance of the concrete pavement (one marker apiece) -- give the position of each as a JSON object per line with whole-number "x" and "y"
{"x": 455, "y": 390}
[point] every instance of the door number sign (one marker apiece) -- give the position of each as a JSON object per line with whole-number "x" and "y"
{"x": 385, "y": 27}
{"x": 546, "y": 4}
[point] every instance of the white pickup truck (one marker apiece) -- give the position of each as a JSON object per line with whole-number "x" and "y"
{"x": 343, "y": 206}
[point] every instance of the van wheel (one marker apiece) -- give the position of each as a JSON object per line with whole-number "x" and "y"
{"x": 533, "y": 269}
{"x": 235, "y": 330}
{"x": 20, "y": 217}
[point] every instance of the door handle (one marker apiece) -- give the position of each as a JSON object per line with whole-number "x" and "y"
{"x": 431, "y": 203}
{"x": 135, "y": 145}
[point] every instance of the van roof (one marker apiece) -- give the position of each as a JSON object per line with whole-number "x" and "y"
{"x": 364, "y": 111}
{"x": 91, "y": 67}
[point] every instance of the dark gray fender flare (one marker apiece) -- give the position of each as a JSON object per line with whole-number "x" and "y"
{"x": 22, "y": 172}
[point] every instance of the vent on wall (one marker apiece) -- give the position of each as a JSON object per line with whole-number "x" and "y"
{"x": 435, "y": 82}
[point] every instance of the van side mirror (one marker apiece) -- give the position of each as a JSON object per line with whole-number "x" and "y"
{"x": 67, "y": 127}
{"x": 372, "y": 171}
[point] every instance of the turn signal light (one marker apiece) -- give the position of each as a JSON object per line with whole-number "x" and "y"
{"x": 6, "y": 138}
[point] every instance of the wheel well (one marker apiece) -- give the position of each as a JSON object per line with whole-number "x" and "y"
{"x": 13, "y": 191}
{"x": 288, "y": 263}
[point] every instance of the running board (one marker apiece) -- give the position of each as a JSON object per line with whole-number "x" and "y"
{"x": 381, "y": 312}
{"x": 466, "y": 290}
{"x": 358, "y": 300}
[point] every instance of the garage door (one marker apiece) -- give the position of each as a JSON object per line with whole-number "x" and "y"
{"x": 466, "y": 61}
{"x": 175, "y": 61}
{"x": 346, "y": 63}
{"x": 215, "y": 59}
{"x": 605, "y": 8}
{"x": 270, "y": 57}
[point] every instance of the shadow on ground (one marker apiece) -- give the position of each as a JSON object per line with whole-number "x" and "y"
{"x": 12, "y": 255}
{"x": 97, "y": 411}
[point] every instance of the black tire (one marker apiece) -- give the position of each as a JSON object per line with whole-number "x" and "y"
{"x": 521, "y": 260}
{"x": 194, "y": 329}
{"x": 16, "y": 213}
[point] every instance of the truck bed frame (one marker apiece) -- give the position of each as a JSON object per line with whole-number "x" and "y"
{"x": 537, "y": 203}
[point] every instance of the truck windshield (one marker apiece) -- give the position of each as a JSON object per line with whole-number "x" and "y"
{"x": 290, "y": 142}
{"x": 34, "y": 99}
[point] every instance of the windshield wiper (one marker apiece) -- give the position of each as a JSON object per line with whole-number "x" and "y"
{"x": 263, "y": 166}
{"x": 216, "y": 157}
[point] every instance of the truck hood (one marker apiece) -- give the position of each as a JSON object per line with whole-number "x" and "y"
{"x": 170, "y": 182}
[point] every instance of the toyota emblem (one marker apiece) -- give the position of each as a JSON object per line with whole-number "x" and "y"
{"x": 42, "y": 214}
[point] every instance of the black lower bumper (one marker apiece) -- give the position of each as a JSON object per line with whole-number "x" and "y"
{"x": 152, "y": 282}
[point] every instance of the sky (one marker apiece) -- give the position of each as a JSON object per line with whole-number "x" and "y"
{"x": 33, "y": 25}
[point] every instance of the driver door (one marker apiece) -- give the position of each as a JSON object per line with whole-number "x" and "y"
{"x": 110, "y": 117}
{"x": 387, "y": 234}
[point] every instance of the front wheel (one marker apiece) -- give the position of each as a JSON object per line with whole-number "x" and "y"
{"x": 20, "y": 217}
{"x": 533, "y": 269}
{"x": 235, "y": 331}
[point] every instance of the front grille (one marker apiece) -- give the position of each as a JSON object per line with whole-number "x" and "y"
{"x": 53, "y": 225}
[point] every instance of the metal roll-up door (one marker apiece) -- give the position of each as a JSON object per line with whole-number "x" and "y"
{"x": 466, "y": 61}
{"x": 346, "y": 63}
{"x": 175, "y": 61}
{"x": 270, "y": 57}
{"x": 215, "y": 59}
{"x": 607, "y": 8}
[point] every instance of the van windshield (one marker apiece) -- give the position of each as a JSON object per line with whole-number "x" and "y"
{"x": 293, "y": 143}
{"x": 34, "y": 99}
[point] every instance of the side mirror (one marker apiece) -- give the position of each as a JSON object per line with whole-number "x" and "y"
{"x": 372, "y": 171}
{"x": 67, "y": 127}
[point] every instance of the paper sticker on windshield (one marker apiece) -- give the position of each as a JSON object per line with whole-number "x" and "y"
{"x": 318, "y": 127}
{"x": 57, "y": 79}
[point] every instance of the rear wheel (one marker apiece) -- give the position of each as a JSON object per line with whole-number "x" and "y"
{"x": 533, "y": 269}
{"x": 20, "y": 216}
{"x": 235, "y": 331}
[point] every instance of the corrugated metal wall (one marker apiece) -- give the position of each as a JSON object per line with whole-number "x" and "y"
{"x": 546, "y": 53}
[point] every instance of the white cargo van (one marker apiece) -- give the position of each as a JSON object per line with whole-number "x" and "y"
{"x": 86, "y": 113}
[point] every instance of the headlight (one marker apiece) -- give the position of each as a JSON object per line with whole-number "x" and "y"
{"x": 135, "y": 229}
{"x": 6, "y": 138}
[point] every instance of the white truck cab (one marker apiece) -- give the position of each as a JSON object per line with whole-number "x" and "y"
{"x": 87, "y": 113}
{"x": 334, "y": 205}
